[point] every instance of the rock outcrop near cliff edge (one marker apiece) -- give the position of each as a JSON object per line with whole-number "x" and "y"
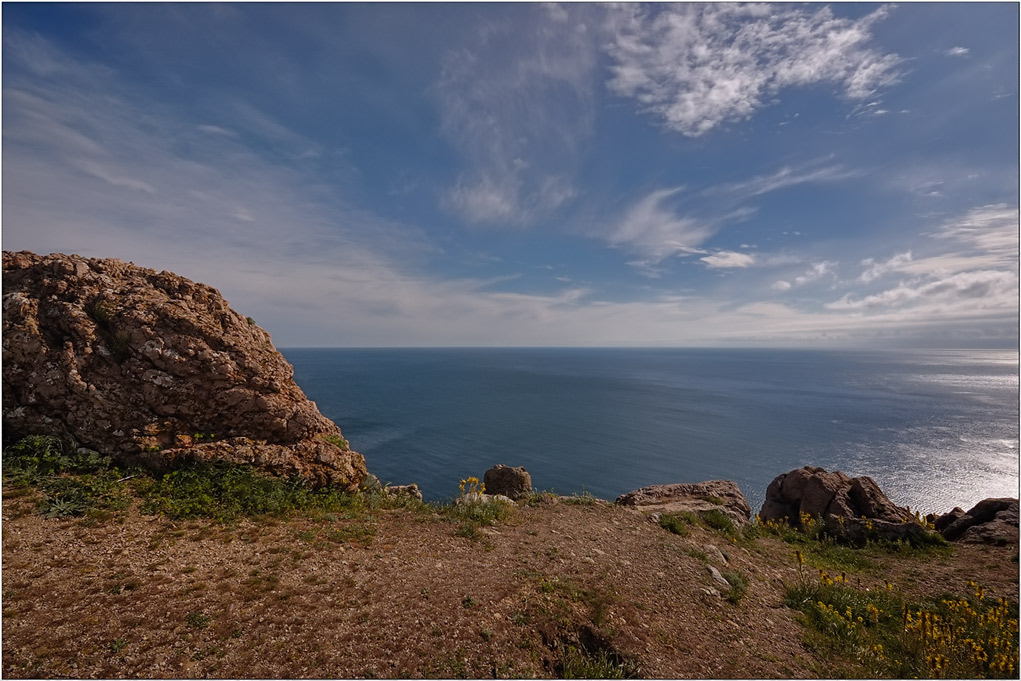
{"x": 698, "y": 497}
{"x": 156, "y": 369}
{"x": 990, "y": 521}
{"x": 847, "y": 505}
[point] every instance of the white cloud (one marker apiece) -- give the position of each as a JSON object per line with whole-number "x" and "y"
{"x": 976, "y": 278}
{"x": 783, "y": 178}
{"x": 697, "y": 66}
{"x": 515, "y": 102}
{"x": 485, "y": 200}
{"x": 98, "y": 171}
{"x": 649, "y": 227}
{"x": 728, "y": 259}
{"x": 216, "y": 130}
{"x": 815, "y": 272}
{"x": 991, "y": 229}
{"x": 958, "y": 52}
{"x": 876, "y": 270}
{"x": 983, "y": 289}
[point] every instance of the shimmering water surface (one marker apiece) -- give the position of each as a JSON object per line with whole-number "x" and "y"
{"x": 936, "y": 429}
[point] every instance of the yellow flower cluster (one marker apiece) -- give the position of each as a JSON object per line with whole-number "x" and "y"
{"x": 966, "y": 641}
{"x": 919, "y": 518}
{"x": 845, "y": 623}
{"x": 775, "y": 525}
{"x": 830, "y": 581}
{"x": 473, "y": 486}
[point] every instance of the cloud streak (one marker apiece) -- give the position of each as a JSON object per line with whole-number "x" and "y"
{"x": 516, "y": 103}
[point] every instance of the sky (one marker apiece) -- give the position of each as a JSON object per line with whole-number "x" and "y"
{"x": 361, "y": 175}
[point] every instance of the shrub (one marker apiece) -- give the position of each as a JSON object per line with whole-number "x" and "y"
{"x": 674, "y": 523}
{"x": 719, "y": 521}
{"x": 579, "y": 663}
{"x": 73, "y": 481}
{"x": 738, "y": 586}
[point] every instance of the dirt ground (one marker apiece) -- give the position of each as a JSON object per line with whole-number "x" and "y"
{"x": 400, "y": 594}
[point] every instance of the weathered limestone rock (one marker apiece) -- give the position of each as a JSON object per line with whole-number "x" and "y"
{"x": 699, "y": 497}
{"x": 510, "y": 482}
{"x": 853, "y": 507}
{"x": 481, "y": 498}
{"x": 990, "y": 521}
{"x": 718, "y": 577}
{"x": 153, "y": 368}
{"x": 394, "y": 491}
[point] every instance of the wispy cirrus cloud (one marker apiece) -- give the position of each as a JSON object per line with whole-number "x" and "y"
{"x": 516, "y": 103}
{"x": 815, "y": 171}
{"x": 987, "y": 230}
{"x": 676, "y": 221}
{"x": 697, "y": 66}
{"x": 652, "y": 228}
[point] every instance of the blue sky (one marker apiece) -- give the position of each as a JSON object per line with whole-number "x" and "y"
{"x": 525, "y": 174}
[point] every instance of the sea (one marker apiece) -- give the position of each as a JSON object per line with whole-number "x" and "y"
{"x": 935, "y": 428}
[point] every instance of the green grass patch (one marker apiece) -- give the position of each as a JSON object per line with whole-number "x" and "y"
{"x": 81, "y": 482}
{"x": 719, "y": 521}
{"x": 818, "y": 548}
{"x": 679, "y": 523}
{"x": 579, "y": 663}
{"x": 73, "y": 482}
{"x": 471, "y": 515}
{"x": 738, "y": 586}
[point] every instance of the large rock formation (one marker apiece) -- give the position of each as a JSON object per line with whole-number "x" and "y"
{"x": 699, "y": 497}
{"x": 155, "y": 369}
{"x": 990, "y": 521}
{"x": 850, "y": 506}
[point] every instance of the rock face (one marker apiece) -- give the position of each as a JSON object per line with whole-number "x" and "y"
{"x": 510, "y": 482}
{"x": 990, "y": 521}
{"x": 699, "y": 497}
{"x": 847, "y": 505}
{"x": 153, "y": 368}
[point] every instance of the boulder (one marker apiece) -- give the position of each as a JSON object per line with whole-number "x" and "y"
{"x": 947, "y": 519}
{"x": 510, "y": 482}
{"x": 155, "y": 369}
{"x": 395, "y": 491}
{"x": 481, "y": 498}
{"x": 854, "y": 507}
{"x": 699, "y": 497}
{"x": 990, "y": 521}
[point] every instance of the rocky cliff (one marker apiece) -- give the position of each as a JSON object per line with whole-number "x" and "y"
{"x": 156, "y": 369}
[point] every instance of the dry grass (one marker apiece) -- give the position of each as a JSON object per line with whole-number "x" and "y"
{"x": 550, "y": 590}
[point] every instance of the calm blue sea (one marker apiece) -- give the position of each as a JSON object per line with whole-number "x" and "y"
{"x": 936, "y": 429}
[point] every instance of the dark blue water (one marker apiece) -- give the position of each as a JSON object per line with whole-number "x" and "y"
{"x": 935, "y": 428}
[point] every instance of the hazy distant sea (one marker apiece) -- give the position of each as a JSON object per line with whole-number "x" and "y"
{"x": 936, "y": 429}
